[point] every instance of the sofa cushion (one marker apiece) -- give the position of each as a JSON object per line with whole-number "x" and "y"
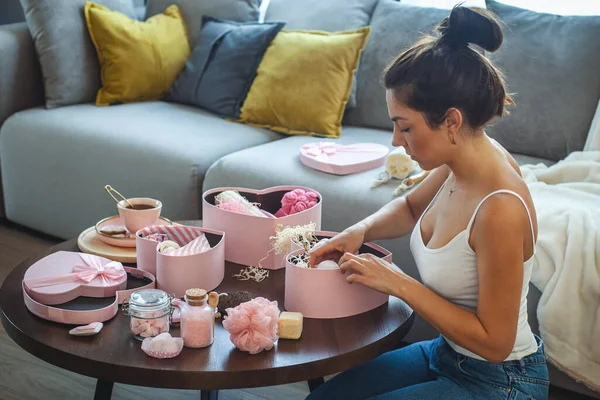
{"x": 551, "y": 64}
{"x": 194, "y": 10}
{"x": 222, "y": 67}
{"x": 303, "y": 82}
{"x": 394, "y": 27}
{"x": 67, "y": 56}
{"x": 55, "y": 163}
{"x": 139, "y": 60}
{"x": 330, "y": 15}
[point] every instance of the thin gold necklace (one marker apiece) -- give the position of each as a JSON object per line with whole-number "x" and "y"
{"x": 452, "y": 189}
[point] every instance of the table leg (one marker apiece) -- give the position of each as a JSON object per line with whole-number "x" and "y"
{"x": 103, "y": 390}
{"x": 315, "y": 383}
{"x": 209, "y": 395}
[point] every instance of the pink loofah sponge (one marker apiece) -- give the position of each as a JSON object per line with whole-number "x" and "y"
{"x": 252, "y": 325}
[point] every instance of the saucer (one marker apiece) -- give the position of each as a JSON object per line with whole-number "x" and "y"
{"x": 121, "y": 237}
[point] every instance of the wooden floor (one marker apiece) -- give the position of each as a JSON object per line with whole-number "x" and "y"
{"x": 24, "y": 377}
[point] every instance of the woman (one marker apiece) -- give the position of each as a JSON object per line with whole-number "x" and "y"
{"x": 473, "y": 231}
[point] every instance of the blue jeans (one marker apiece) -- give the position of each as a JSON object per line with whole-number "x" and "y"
{"x": 433, "y": 370}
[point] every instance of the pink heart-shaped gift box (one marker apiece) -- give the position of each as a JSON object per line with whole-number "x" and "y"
{"x": 62, "y": 263}
{"x": 325, "y": 293}
{"x": 249, "y": 237}
{"x": 75, "y": 315}
{"x": 340, "y": 159}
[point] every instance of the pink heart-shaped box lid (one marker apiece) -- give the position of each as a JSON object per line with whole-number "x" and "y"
{"x": 60, "y": 264}
{"x": 340, "y": 159}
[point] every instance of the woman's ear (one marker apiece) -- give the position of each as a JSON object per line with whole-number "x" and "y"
{"x": 453, "y": 123}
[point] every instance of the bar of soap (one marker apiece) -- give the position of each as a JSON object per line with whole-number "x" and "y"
{"x": 290, "y": 325}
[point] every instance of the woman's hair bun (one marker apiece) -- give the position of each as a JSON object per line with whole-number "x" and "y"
{"x": 468, "y": 25}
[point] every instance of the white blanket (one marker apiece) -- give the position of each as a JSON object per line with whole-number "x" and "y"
{"x": 567, "y": 269}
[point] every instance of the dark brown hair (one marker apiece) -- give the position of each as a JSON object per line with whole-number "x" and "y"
{"x": 442, "y": 71}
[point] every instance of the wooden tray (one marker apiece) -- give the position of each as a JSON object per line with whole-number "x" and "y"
{"x": 89, "y": 242}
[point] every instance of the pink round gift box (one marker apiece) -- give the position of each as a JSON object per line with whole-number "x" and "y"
{"x": 177, "y": 273}
{"x": 325, "y": 293}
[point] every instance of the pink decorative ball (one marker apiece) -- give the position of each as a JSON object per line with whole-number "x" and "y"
{"x": 252, "y": 325}
{"x": 296, "y": 201}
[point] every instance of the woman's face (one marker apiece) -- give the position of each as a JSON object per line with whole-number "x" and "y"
{"x": 428, "y": 147}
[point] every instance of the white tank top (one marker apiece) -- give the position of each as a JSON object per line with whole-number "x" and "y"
{"x": 451, "y": 272}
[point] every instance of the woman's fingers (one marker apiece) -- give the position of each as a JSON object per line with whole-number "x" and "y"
{"x": 320, "y": 252}
{"x": 355, "y": 278}
{"x": 325, "y": 250}
{"x": 316, "y": 253}
{"x": 349, "y": 256}
{"x": 352, "y": 263}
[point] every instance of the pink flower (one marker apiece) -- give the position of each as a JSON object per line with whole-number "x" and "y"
{"x": 299, "y": 207}
{"x": 287, "y": 208}
{"x": 312, "y": 196}
{"x": 280, "y": 213}
{"x": 299, "y": 192}
{"x": 311, "y": 204}
{"x": 302, "y": 198}
{"x": 252, "y": 325}
{"x": 289, "y": 198}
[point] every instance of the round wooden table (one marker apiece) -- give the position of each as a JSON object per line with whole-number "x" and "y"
{"x": 325, "y": 347}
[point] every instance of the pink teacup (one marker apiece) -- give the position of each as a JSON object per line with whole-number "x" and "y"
{"x": 136, "y": 219}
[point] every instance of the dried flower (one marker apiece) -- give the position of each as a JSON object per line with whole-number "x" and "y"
{"x": 302, "y": 235}
{"x": 257, "y": 274}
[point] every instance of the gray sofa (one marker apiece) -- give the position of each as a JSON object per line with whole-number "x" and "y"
{"x": 55, "y": 163}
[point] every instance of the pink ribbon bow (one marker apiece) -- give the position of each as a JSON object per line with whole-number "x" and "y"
{"x": 322, "y": 150}
{"x": 93, "y": 268}
{"x": 110, "y": 273}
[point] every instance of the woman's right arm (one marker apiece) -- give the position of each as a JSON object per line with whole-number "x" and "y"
{"x": 398, "y": 217}
{"x": 395, "y": 219}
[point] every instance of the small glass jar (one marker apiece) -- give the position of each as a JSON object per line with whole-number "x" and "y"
{"x": 197, "y": 319}
{"x": 150, "y": 311}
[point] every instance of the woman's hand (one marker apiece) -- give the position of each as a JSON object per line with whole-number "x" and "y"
{"x": 348, "y": 241}
{"x": 373, "y": 272}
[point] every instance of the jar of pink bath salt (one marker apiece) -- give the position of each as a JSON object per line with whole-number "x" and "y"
{"x": 197, "y": 323}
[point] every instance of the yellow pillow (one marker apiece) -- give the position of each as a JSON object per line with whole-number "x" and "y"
{"x": 303, "y": 82}
{"x": 139, "y": 60}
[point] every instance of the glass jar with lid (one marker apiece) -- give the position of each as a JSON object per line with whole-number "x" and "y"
{"x": 198, "y": 318}
{"x": 149, "y": 311}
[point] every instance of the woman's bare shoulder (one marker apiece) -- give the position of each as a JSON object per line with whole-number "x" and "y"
{"x": 509, "y": 158}
{"x": 510, "y": 178}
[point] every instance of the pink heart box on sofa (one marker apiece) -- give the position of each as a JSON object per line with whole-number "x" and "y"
{"x": 324, "y": 293}
{"x": 249, "y": 237}
{"x": 177, "y": 273}
{"x": 342, "y": 159}
{"x": 60, "y": 277}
